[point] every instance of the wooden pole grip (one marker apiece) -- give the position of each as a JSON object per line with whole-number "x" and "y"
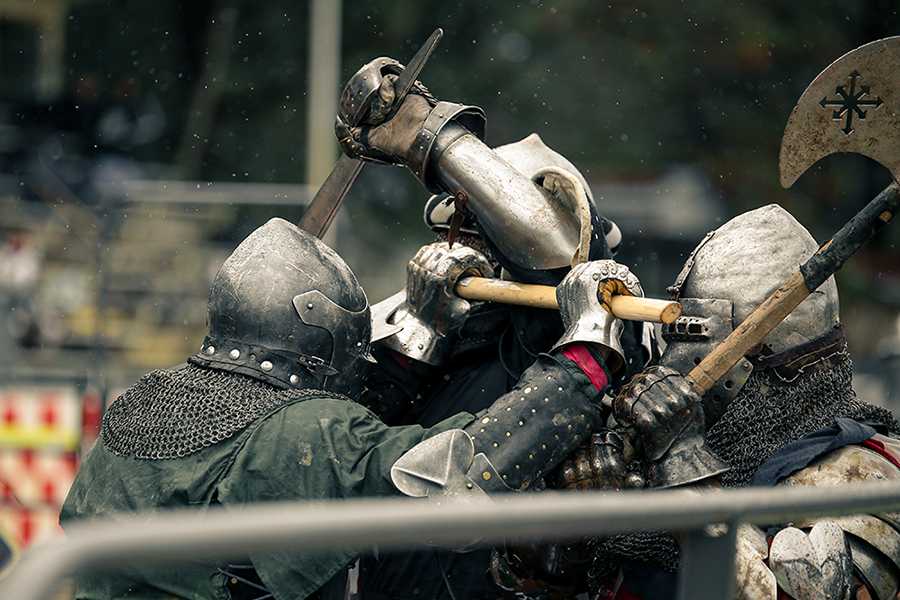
{"x": 544, "y": 296}
{"x": 749, "y": 334}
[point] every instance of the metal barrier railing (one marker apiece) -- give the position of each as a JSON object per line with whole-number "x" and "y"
{"x": 707, "y": 553}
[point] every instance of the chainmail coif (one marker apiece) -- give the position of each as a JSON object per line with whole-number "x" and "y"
{"x": 769, "y": 413}
{"x": 171, "y": 413}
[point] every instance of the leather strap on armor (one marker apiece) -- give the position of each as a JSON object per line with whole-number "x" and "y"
{"x": 469, "y": 120}
{"x": 788, "y": 365}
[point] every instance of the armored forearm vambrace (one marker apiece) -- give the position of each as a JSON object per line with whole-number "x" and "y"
{"x": 525, "y": 433}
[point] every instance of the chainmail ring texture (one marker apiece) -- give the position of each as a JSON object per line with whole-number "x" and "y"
{"x": 766, "y": 415}
{"x": 172, "y": 413}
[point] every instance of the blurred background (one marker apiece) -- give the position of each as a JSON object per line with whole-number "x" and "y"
{"x": 140, "y": 141}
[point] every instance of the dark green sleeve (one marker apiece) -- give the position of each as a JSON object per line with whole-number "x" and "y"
{"x": 317, "y": 450}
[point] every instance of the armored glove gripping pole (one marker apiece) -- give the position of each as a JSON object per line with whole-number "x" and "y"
{"x": 857, "y": 121}
{"x": 629, "y": 308}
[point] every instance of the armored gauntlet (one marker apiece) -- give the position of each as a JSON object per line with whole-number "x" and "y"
{"x": 432, "y": 312}
{"x": 370, "y": 126}
{"x": 601, "y": 464}
{"x": 660, "y": 406}
{"x": 584, "y": 296}
{"x": 528, "y": 431}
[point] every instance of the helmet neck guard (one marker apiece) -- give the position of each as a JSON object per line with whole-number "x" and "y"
{"x": 284, "y": 308}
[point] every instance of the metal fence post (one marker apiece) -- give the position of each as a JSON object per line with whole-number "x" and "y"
{"x": 707, "y": 562}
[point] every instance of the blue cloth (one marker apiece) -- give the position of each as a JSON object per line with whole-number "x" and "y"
{"x": 801, "y": 453}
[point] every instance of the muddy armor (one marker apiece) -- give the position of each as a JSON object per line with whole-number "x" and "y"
{"x": 829, "y": 557}
{"x": 786, "y": 415}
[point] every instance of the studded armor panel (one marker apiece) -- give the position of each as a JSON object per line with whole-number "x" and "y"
{"x": 525, "y": 433}
{"x": 537, "y": 424}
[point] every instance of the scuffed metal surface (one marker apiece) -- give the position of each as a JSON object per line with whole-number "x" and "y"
{"x": 851, "y": 106}
{"x": 846, "y": 465}
{"x": 875, "y": 570}
{"x": 382, "y": 312}
{"x": 816, "y": 566}
{"x": 754, "y": 579}
{"x": 527, "y": 224}
{"x": 437, "y": 467}
{"x": 874, "y": 541}
{"x": 873, "y": 530}
{"x": 746, "y": 260}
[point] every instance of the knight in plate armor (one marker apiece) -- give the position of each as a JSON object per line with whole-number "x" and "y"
{"x": 787, "y": 415}
{"x": 263, "y": 412}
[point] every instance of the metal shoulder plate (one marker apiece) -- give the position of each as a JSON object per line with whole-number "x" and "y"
{"x": 874, "y": 539}
{"x": 845, "y": 465}
{"x": 875, "y": 550}
{"x": 754, "y": 579}
{"x": 813, "y": 565}
{"x": 875, "y": 570}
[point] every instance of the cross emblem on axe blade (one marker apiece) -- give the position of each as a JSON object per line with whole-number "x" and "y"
{"x": 849, "y": 103}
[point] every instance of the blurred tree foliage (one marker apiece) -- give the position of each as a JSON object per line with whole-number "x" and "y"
{"x": 625, "y": 89}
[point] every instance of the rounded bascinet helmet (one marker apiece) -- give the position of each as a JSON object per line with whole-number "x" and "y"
{"x": 727, "y": 276}
{"x": 560, "y": 209}
{"x": 286, "y": 309}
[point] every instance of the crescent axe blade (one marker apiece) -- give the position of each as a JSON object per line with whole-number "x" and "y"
{"x": 852, "y": 106}
{"x": 328, "y": 199}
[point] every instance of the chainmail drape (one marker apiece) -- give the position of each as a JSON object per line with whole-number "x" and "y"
{"x": 171, "y": 413}
{"x": 767, "y": 414}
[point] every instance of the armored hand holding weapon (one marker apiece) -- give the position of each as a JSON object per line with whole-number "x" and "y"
{"x": 810, "y": 135}
{"x": 425, "y": 318}
{"x": 585, "y": 313}
{"x": 529, "y": 430}
{"x": 387, "y": 116}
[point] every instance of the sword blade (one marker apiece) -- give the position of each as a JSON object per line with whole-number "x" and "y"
{"x": 408, "y": 76}
{"x": 327, "y": 201}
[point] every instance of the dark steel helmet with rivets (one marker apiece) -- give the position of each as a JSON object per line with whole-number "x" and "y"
{"x": 286, "y": 309}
